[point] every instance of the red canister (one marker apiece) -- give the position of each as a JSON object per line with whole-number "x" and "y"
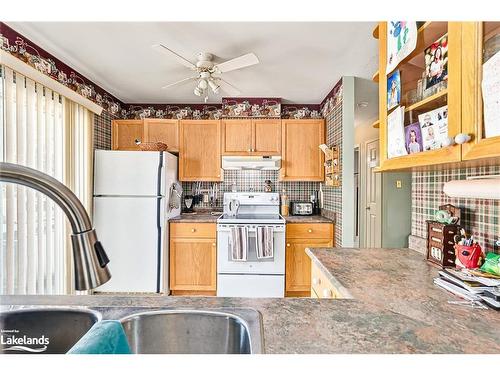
{"x": 469, "y": 256}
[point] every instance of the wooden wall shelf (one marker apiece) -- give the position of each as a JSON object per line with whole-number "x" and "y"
{"x": 430, "y": 102}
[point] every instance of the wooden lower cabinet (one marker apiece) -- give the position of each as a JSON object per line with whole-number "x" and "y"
{"x": 193, "y": 259}
{"x": 297, "y": 262}
{"x": 321, "y": 287}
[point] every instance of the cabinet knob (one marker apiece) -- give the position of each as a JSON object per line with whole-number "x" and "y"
{"x": 249, "y": 150}
{"x": 316, "y": 281}
{"x": 327, "y": 293}
{"x": 193, "y": 230}
{"x": 137, "y": 141}
{"x": 310, "y": 230}
{"x": 287, "y": 245}
{"x": 462, "y": 138}
{"x": 213, "y": 244}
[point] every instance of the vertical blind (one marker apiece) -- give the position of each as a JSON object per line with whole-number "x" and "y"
{"x": 45, "y": 131}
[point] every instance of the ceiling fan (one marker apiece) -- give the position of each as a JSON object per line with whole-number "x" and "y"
{"x": 207, "y": 72}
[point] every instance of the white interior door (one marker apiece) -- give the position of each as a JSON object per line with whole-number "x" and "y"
{"x": 373, "y": 195}
{"x": 127, "y": 228}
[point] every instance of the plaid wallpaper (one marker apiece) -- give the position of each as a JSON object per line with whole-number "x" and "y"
{"x": 249, "y": 180}
{"x": 481, "y": 217}
{"x": 102, "y": 131}
{"x": 332, "y": 206}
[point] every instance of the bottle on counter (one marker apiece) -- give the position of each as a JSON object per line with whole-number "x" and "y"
{"x": 285, "y": 204}
{"x": 267, "y": 186}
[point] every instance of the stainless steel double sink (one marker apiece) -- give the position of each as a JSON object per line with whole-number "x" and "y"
{"x": 170, "y": 331}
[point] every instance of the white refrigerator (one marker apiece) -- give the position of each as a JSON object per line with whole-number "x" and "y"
{"x": 131, "y": 212}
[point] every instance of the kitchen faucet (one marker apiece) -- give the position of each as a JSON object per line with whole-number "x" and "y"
{"x": 89, "y": 258}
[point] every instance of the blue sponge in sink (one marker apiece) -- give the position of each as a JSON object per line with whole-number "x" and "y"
{"x": 105, "y": 337}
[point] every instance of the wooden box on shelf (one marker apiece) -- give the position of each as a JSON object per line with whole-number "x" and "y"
{"x": 440, "y": 239}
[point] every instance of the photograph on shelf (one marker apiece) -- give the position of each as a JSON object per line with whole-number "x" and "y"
{"x": 395, "y": 133}
{"x": 434, "y": 127}
{"x": 413, "y": 137}
{"x": 393, "y": 90}
{"x": 491, "y": 96}
{"x": 401, "y": 41}
{"x": 436, "y": 62}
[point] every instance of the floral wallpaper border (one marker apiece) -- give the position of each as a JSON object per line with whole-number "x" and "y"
{"x": 27, "y": 51}
{"x": 300, "y": 111}
{"x": 333, "y": 97}
{"x": 251, "y": 107}
{"x": 173, "y": 111}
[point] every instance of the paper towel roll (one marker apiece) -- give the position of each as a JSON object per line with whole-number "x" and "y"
{"x": 488, "y": 188}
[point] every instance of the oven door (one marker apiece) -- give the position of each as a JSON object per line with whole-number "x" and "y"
{"x": 271, "y": 266}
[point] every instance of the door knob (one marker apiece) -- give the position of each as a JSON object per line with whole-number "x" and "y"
{"x": 368, "y": 208}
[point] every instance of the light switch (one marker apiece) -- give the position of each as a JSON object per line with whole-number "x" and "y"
{"x": 399, "y": 184}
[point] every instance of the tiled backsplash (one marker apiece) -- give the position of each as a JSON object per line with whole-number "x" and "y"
{"x": 249, "y": 180}
{"x": 332, "y": 196}
{"x": 481, "y": 217}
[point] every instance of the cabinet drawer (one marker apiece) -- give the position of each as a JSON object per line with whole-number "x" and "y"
{"x": 193, "y": 230}
{"x": 309, "y": 231}
{"x": 320, "y": 285}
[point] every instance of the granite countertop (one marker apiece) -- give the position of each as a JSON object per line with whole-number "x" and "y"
{"x": 401, "y": 281}
{"x": 302, "y": 325}
{"x": 197, "y": 217}
{"x": 395, "y": 309}
{"x": 307, "y": 219}
{"x": 206, "y": 217}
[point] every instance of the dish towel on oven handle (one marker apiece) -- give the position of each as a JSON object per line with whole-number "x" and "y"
{"x": 264, "y": 243}
{"x": 239, "y": 244}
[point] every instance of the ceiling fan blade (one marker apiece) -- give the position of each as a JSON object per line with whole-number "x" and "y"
{"x": 179, "y": 82}
{"x": 227, "y": 87}
{"x": 237, "y": 63}
{"x": 162, "y": 49}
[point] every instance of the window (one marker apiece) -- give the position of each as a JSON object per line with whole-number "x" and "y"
{"x": 43, "y": 130}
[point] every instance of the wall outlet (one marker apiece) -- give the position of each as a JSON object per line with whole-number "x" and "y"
{"x": 399, "y": 184}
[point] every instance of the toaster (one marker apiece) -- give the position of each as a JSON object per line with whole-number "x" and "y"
{"x": 302, "y": 208}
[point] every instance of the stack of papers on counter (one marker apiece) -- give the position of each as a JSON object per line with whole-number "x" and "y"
{"x": 468, "y": 286}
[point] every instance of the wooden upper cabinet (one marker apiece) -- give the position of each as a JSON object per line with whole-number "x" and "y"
{"x": 162, "y": 130}
{"x": 266, "y": 137}
{"x": 237, "y": 137}
{"x": 475, "y": 39}
{"x": 411, "y": 68}
{"x": 302, "y": 158}
{"x": 251, "y": 137}
{"x": 199, "y": 150}
{"x": 124, "y": 133}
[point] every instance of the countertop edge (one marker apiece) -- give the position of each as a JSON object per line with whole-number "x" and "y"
{"x": 344, "y": 292}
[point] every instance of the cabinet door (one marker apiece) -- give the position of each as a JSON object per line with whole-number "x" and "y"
{"x": 193, "y": 265}
{"x": 266, "y": 137}
{"x": 298, "y": 265}
{"x": 160, "y": 130}
{"x": 236, "y": 137}
{"x": 199, "y": 150}
{"x": 125, "y": 133}
{"x": 302, "y": 158}
{"x": 477, "y": 47}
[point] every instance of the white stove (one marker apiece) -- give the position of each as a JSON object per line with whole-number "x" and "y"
{"x": 253, "y": 277}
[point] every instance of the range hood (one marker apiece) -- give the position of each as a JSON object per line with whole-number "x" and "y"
{"x": 263, "y": 163}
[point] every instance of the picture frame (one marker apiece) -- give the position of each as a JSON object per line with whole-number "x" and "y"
{"x": 413, "y": 138}
{"x": 436, "y": 62}
{"x": 394, "y": 90}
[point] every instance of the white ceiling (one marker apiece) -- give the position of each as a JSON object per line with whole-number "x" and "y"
{"x": 299, "y": 62}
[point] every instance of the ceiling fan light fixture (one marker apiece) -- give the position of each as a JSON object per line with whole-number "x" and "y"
{"x": 203, "y": 84}
{"x": 214, "y": 86}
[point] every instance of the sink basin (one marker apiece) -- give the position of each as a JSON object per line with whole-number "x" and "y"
{"x": 46, "y": 330}
{"x": 224, "y": 331}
